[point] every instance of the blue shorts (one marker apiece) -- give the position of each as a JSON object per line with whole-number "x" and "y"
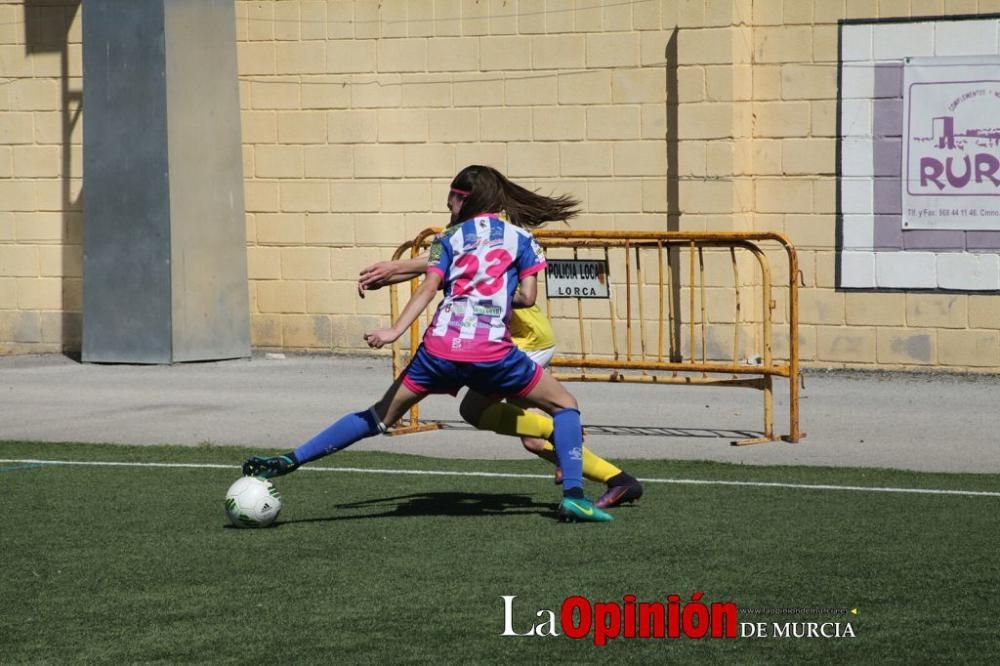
{"x": 512, "y": 376}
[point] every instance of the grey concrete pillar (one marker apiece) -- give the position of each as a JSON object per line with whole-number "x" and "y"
{"x": 164, "y": 256}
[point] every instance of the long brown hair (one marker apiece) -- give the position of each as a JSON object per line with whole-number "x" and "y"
{"x": 488, "y": 191}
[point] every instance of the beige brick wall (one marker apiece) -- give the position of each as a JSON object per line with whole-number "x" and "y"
{"x": 569, "y": 99}
{"x": 795, "y": 49}
{"x": 357, "y": 113}
{"x": 40, "y": 177}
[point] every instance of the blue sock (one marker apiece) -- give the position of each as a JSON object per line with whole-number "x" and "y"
{"x": 567, "y": 438}
{"x": 340, "y": 435}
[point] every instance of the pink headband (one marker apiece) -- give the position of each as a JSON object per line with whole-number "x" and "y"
{"x": 455, "y": 190}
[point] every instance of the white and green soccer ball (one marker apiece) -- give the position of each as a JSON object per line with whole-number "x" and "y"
{"x": 252, "y": 502}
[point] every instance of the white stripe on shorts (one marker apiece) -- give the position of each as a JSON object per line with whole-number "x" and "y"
{"x": 542, "y": 356}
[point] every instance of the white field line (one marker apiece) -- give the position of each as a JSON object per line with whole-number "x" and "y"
{"x": 510, "y": 475}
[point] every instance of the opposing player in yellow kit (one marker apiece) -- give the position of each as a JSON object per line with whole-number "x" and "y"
{"x": 532, "y": 333}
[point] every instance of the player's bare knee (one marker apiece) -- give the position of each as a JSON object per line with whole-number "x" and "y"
{"x": 567, "y": 402}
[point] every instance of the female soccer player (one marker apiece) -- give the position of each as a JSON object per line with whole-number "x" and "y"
{"x": 532, "y": 333}
{"x": 480, "y": 259}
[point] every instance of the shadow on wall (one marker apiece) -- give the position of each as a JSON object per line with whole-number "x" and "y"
{"x": 673, "y": 188}
{"x": 47, "y": 27}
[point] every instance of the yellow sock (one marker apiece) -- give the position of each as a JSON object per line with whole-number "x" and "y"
{"x": 507, "y": 419}
{"x": 548, "y": 452}
{"x": 595, "y": 468}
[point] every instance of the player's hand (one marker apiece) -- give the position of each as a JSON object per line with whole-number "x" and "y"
{"x": 374, "y": 277}
{"x": 380, "y": 338}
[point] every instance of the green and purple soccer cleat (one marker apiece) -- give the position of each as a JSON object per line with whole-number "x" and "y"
{"x": 621, "y": 490}
{"x": 573, "y": 510}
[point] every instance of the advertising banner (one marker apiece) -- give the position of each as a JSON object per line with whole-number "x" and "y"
{"x": 951, "y": 143}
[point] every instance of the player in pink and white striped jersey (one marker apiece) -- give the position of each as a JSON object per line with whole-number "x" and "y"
{"x": 486, "y": 266}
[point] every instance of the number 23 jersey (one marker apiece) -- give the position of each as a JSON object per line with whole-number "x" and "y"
{"x": 481, "y": 262}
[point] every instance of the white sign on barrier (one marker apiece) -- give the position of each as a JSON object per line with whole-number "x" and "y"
{"x": 577, "y": 278}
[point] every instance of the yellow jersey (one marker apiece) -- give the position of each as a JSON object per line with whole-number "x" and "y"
{"x": 530, "y": 329}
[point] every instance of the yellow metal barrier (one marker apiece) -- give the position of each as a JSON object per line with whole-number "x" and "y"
{"x": 690, "y": 354}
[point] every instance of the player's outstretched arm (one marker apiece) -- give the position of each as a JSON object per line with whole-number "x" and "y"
{"x": 421, "y": 298}
{"x": 384, "y": 273}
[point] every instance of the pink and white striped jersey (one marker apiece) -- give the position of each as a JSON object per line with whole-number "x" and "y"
{"x": 481, "y": 262}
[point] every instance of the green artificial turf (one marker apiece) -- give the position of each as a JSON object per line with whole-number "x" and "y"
{"x": 138, "y": 563}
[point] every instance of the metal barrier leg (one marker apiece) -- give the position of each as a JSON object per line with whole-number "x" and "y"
{"x": 768, "y": 416}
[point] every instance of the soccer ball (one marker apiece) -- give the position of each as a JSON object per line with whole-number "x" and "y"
{"x": 252, "y": 502}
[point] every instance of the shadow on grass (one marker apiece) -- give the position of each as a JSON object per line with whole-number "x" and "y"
{"x": 638, "y": 430}
{"x": 468, "y": 505}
